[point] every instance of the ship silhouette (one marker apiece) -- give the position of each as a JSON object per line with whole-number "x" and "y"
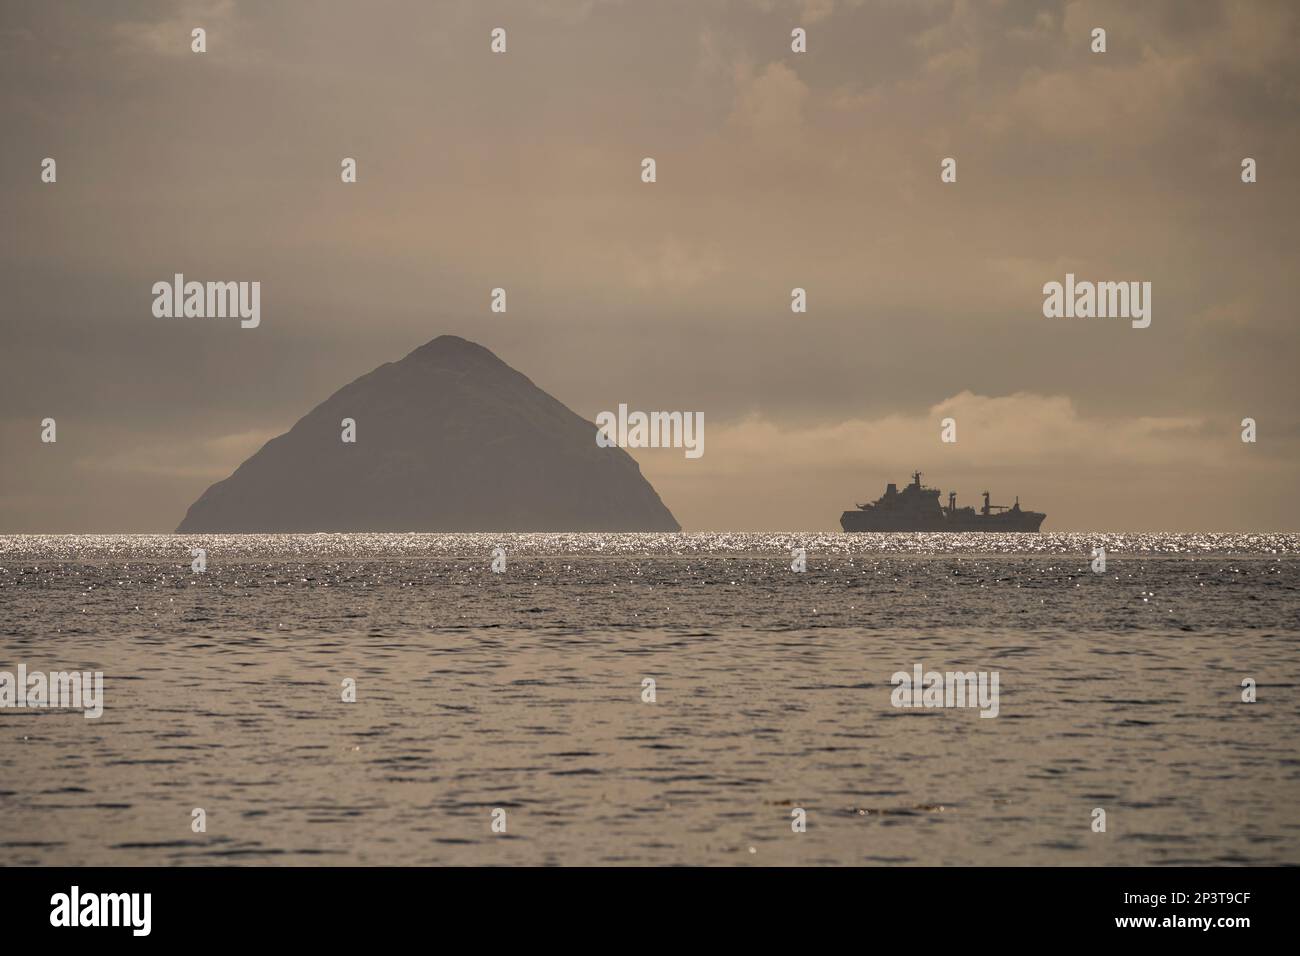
{"x": 917, "y": 508}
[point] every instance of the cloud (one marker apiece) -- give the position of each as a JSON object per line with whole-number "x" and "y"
{"x": 1019, "y": 430}
{"x": 567, "y": 11}
{"x": 1080, "y": 469}
{"x": 673, "y": 264}
{"x": 211, "y": 458}
{"x": 1140, "y": 99}
{"x": 817, "y": 10}
{"x": 776, "y": 170}
{"x": 171, "y": 36}
{"x": 770, "y": 104}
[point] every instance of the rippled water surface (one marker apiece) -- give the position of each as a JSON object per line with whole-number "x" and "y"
{"x": 523, "y": 691}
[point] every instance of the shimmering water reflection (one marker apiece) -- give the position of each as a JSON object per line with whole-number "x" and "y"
{"x": 523, "y": 690}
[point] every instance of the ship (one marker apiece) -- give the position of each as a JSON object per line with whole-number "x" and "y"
{"x": 917, "y": 508}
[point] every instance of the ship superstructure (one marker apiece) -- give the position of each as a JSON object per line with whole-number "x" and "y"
{"x": 917, "y": 508}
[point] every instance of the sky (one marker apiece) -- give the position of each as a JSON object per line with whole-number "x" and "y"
{"x": 775, "y": 170}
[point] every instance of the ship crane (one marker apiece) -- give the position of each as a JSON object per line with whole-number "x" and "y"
{"x": 989, "y": 508}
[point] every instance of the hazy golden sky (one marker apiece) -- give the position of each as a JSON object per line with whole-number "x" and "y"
{"x": 775, "y": 170}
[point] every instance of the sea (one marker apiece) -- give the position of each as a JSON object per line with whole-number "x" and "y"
{"x": 647, "y": 699}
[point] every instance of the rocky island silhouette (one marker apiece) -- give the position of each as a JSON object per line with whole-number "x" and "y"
{"x": 450, "y": 438}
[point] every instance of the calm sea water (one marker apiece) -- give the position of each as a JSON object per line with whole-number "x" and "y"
{"x": 523, "y": 691}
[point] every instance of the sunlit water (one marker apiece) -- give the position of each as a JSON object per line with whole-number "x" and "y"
{"x": 523, "y": 691}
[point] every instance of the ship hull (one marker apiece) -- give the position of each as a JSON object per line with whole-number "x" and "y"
{"x": 1006, "y": 522}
